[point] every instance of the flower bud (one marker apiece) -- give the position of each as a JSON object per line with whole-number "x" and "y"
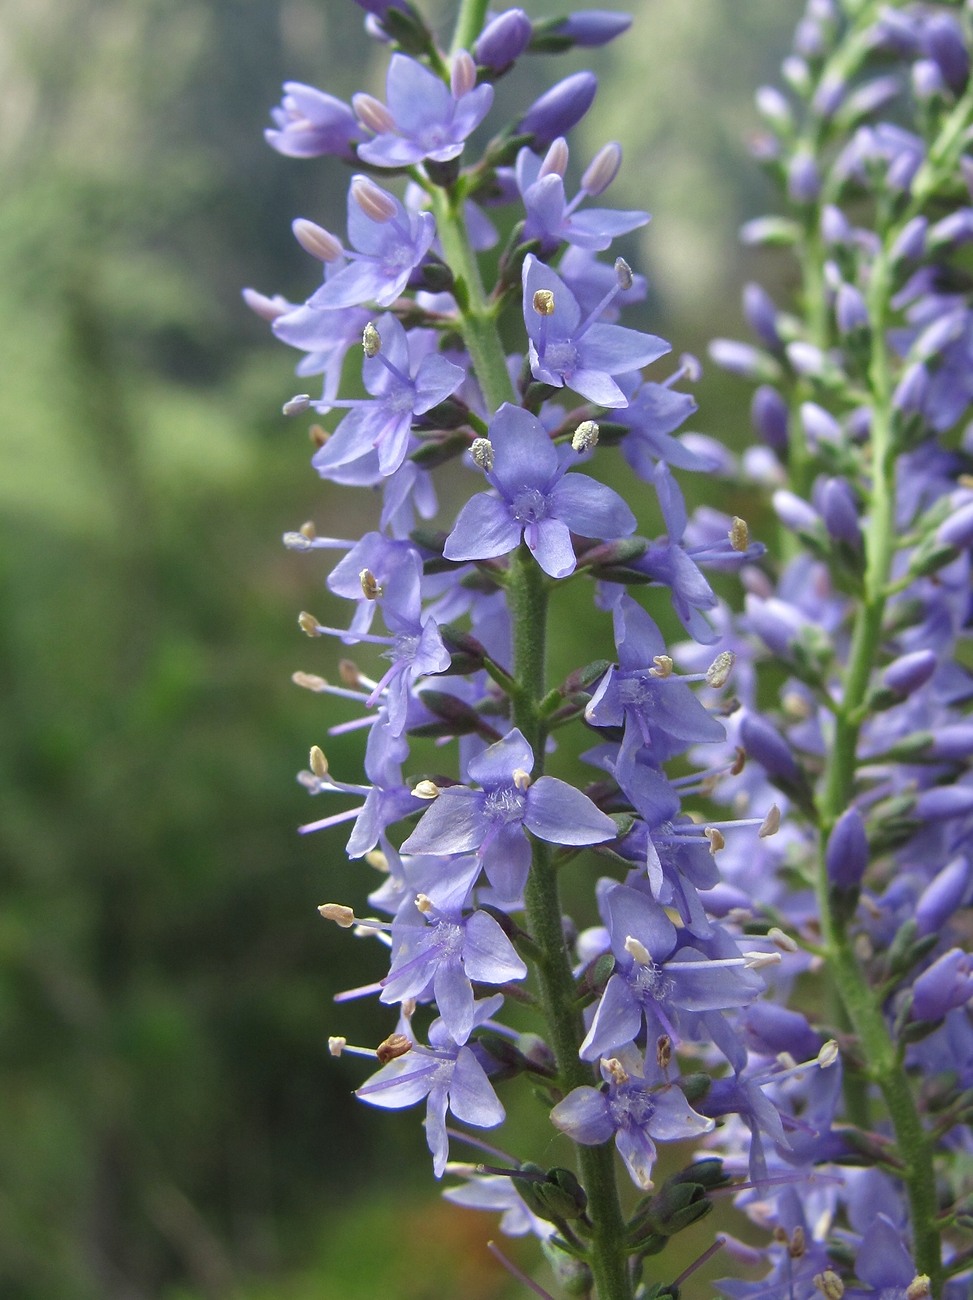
{"x": 769, "y": 417}
{"x": 774, "y": 108}
{"x": 948, "y": 983}
{"x": 593, "y": 27}
{"x": 850, "y": 311}
{"x": 954, "y": 743}
{"x": 503, "y": 40}
{"x": 267, "y": 309}
{"x": 834, "y": 226}
{"x": 944, "y": 42}
{"x": 846, "y": 856}
{"x": 840, "y": 512}
{"x": 761, "y": 314}
{"x": 462, "y": 74}
{"x": 944, "y": 801}
{"x": 803, "y": 178}
{"x": 948, "y": 890}
{"x": 909, "y": 672}
{"x": 559, "y": 108}
{"x": 371, "y": 112}
{"x": 820, "y": 426}
{"x": 794, "y": 512}
{"x": 743, "y": 359}
{"x": 927, "y": 81}
{"x": 769, "y": 748}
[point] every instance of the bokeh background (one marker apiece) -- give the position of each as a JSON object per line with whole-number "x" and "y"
{"x": 170, "y": 1122}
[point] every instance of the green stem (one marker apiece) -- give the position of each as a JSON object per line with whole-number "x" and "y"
{"x": 477, "y": 319}
{"x": 859, "y": 999}
{"x": 469, "y": 24}
{"x": 528, "y": 592}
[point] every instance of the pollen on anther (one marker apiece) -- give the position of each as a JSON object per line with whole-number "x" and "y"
{"x": 543, "y": 302}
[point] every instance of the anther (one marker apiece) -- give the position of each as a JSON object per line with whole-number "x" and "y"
{"x": 740, "y": 762}
{"x": 797, "y": 1246}
{"x": 317, "y": 761}
{"x": 612, "y": 1066}
{"x": 602, "y": 169}
{"x": 716, "y": 840}
{"x": 317, "y": 241}
{"x": 349, "y": 672}
{"x": 370, "y": 587}
{"x": 371, "y": 112}
{"x": 521, "y": 778}
{"x": 920, "y": 1288}
{"x": 555, "y": 160}
{"x": 308, "y": 623}
{"x": 377, "y": 859}
{"x": 828, "y": 1054}
{"x": 663, "y": 1051}
{"x": 309, "y": 681}
{"x": 739, "y": 534}
{"x": 308, "y": 530}
{"x": 371, "y": 341}
{"x": 829, "y": 1284}
{"x": 297, "y": 405}
{"x": 663, "y": 666}
{"x": 425, "y": 790}
{"x": 372, "y": 199}
{"x": 770, "y": 824}
{"x": 318, "y": 435}
{"x": 623, "y": 273}
{"x": 721, "y": 667}
{"x": 781, "y": 940}
{"x": 758, "y": 960}
{"x": 339, "y": 913}
{"x": 481, "y": 450}
{"x": 337, "y": 1045}
{"x": 585, "y": 436}
{"x": 424, "y": 903}
{"x": 637, "y": 951}
{"x": 543, "y": 302}
{"x": 462, "y": 74}
{"x": 392, "y": 1048}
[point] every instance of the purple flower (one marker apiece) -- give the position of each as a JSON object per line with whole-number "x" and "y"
{"x": 580, "y": 353}
{"x": 389, "y": 246}
{"x": 445, "y": 1074}
{"x": 436, "y": 947}
{"x": 426, "y": 119}
{"x": 636, "y": 1111}
{"x": 534, "y": 498}
{"x": 398, "y": 395}
{"x": 552, "y": 220}
{"x": 492, "y": 820}
{"x": 310, "y": 123}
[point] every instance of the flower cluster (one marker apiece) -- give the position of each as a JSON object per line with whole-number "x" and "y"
{"x": 663, "y": 1014}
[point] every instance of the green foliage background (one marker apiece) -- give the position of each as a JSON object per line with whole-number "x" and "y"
{"x": 170, "y": 1122}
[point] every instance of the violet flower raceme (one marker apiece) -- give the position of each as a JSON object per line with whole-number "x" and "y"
{"x": 665, "y": 1016}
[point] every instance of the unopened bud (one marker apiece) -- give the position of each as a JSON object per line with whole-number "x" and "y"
{"x": 370, "y": 587}
{"x": 371, "y": 341}
{"x": 317, "y": 761}
{"x": 585, "y": 436}
{"x": 392, "y": 1048}
{"x": 339, "y": 913}
{"x": 543, "y": 302}
{"x": 426, "y": 790}
{"x": 739, "y": 534}
{"x": 716, "y": 840}
{"x": 481, "y": 450}
{"x": 308, "y": 623}
{"x": 317, "y": 241}
{"x": 770, "y": 824}
{"x": 376, "y": 204}
{"x": 602, "y": 169}
{"x": 309, "y": 681}
{"x": 637, "y": 951}
{"x": 371, "y": 112}
{"x": 719, "y": 670}
{"x": 297, "y": 405}
{"x": 663, "y": 666}
{"x": 623, "y": 273}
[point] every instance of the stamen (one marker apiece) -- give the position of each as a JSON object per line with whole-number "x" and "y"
{"x": 317, "y": 241}
{"x": 297, "y": 405}
{"x": 391, "y": 1048}
{"x": 341, "y": 914}
{"x": 373, "y": 114}
{"x": 716, "y": 840}
{"x": 370, "y": 587}
{"x": 317, "y": 761}
{"x": 585, "y": 436}
{"x": 372, "y": 199}
{"x": 611, "y": 1065}
{"x": 720, "y": 669}
{"x": 555, "y": 160}
{"x": 462, "y": 74}
{"x": 829, "y": 1284}
{"x": 663, "y": 666}
{"x": 770, "y": 824}
{"x": 515, "y": 1272}
{"x": 426, "y": 790}
{"x": 309, "y": 681}
{"x": 707, "y": 1254}
{"x": 521, "y": 778}
{"x": 371, "y": 341}
{"x": 781, "y": 940}
{"x": 543, "y": 302}
{"x": 637, "y": 951}
{"x": 481, "y": 451}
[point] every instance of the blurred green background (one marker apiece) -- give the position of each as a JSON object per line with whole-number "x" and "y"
{"x": 170, "y": 1122}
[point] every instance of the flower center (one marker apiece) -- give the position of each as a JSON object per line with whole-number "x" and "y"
{"x": 505, "y": 805}
{"x": 651, "y": 982}
{"x": 529, "y": 506}
{"x": 631, "y": 1108}
{"x": 561, "y": 356}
